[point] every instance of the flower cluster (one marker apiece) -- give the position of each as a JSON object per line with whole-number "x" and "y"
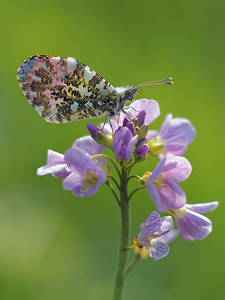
{"x": 83, "y": 169}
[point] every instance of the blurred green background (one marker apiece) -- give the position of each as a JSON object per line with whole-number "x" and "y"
{"x": 56, "y": 246}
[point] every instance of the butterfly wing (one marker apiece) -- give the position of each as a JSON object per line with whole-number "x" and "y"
{"x": 62, "y": 89}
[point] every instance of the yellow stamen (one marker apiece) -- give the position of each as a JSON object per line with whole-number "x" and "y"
{"x": 152, "y": 236}
{"x": 177, "y": 212}
{"x": 90, "y": 179}
{"x": 144, "y": 178}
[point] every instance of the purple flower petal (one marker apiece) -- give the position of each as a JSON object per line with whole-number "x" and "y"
{"x": 54, "y": 169}
{"x": 165, "y": 125}
{"x": 127, "y": 136}
{"x": 157, "y": 249}
{"x": 130, "y": 125}
{"x": 120, "y": 136}
{"x": 171, "y": 196}
{"x": 150, "y": 226}
{"x": 150, "y": 107}
{"x": 151, "y": 134}
{"x": 142, "y": 150}
{"x": 177, "y": 133}
{"x": 144, "y": 241}
{"x": 185, "y": 236}
{"x": 169, "y": 237}
{"x": 75, "y": 181}
{"x": 158, "y": 170}
{"x": 126, "y": 120}
{"x": 130, "y": 148}
{"x": 54, "y": 157}
{"x": 141, "y": 116}
{"x": 202, "y": 208}
{"x": 93, "y": 129}
{"x": 177, "y": 129}
{"x": 55, "y": 166}
{"x": 176, "y": 168}
{"x": 88, "y": 145}
{"x": 117, "y": 148}
{"x": 79, "y": 161}
{"x": 166, "y": 225}
{"x": 123, "y": 143}
{"x": 193, "y": 224}
{"x": 154, "y": 194}
{"x": 176, "y": 148}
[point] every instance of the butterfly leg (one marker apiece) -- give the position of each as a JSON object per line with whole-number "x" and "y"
{"x": 125, "y": 112}
{"x": 111, "y": 126}
{"x": 107, "y": 118}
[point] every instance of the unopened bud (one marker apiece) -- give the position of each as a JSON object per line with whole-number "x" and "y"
{"x": 97, "y": 134}
{"x": 141, "y": 152}
{"x": 142, "y": 132}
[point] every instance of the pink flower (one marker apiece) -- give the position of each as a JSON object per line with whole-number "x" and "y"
{"x": 81, "y": 173}
{"x": 56, "y": 165}
{"x": 190, "y": 222}
{"x": 174, "y": 136}
{"x": 162, "y": 182}
{"x": 86, "y": 176}
{"x": 152, "y": 230}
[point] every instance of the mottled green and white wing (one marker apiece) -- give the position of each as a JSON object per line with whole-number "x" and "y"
{"x": 62, "y": 89}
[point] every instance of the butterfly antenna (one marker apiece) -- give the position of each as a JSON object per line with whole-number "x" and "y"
{"x": 157, "y": 82}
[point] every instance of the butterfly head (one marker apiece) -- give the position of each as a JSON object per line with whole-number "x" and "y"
{"x": 130, "y": 93}
{"x": 124, "y": 94}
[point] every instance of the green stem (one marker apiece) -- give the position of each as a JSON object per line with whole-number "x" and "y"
{"x": 113, "y": 191}
{"x": 130, "y": 167}
{"x": 132, "y": 263}
{"x": 134, "y": 191}
{"x": 125, "y": 222}
{"x": 114, "y": 180}
{"x": 133, "y": 176}
{"x": 108, "y": 157}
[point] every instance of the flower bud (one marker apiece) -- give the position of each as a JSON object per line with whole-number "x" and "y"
{"x": 141, "y": 152}
{"x": 130, "y": 125}
{"x": 98, "y": 135}
{"x": 93, "y": 129}
{"x": 125, "y": 121}
{"x": 142, "y": 132}
{"x": 135, "y": 121}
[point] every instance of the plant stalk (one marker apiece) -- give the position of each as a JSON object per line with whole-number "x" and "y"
{"x": 125, "y": 223}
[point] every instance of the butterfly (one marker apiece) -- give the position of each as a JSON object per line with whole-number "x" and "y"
{"x": 62, "y": 89}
